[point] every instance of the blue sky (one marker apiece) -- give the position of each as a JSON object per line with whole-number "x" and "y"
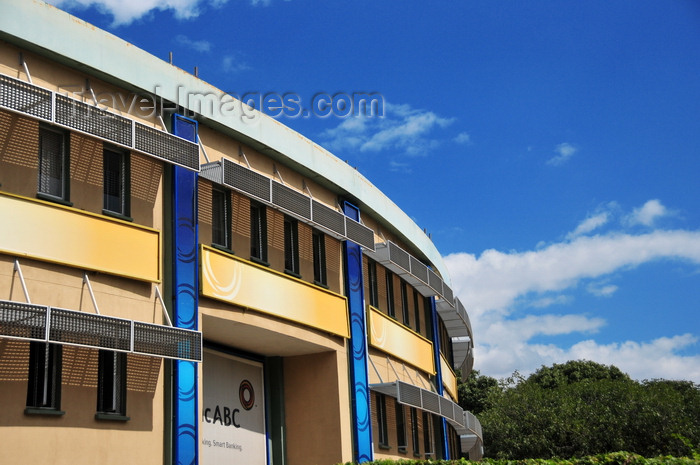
{"x": 550, "y": 148}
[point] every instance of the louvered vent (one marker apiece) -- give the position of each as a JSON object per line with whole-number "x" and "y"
{"x": 291, "y": 200}
{"x": 80, "y": 328}
{"x": 399, "y": 256}
{"x": 166, "y": 146}
{"x": 409, "y": 394}
{"x": 93, "y": 120}
{"x": 458, "y": 414}
{"x": 419, "y": 270}
{"x": 359, "y": 233}
{"x": 245, "y": 180}
{"x": 328, "y": 218}
{"x": 446, "y": 409}
{"x": 431, "y": 401}
{"x": 434, "y": 281}
{"x": 213, "y": 171}
{"x": 167, "y": 341}
{"x": 447, "y": 294}
{"x": 24, "y": 97}
{"x": 22, "y": 320}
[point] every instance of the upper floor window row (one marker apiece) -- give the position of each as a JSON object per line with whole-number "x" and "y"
{"x": 240, "y": 223}
{"x": 388, "y": 293}
{"x": 54, "y": 173}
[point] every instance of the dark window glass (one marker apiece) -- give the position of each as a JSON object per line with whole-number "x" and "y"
{"x": 221, "y": 218}
{"x": 381, "y": 420}
{"x": 291, "y": 245}
{"x": 427, "y": 307}
{"x": 44, "y": 387}
{"x": 116, "y": 174}
{"x": 414, "y": 431}
{"x": 111, "y": 383}
{"x": 319, "y": 245}
{"x": 258, "y": 232}
{"x": 400, "y": 427}
{"x": 53, "y": 163}
{"x": 427, "y": 433}
{"x": 390, "y": 294}
{"x": 416, "y": 310}
{"x": 373, "y": 287}
{"x": 404, "y": 304}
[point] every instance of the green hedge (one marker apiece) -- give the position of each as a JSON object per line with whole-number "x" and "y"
{"x": 616, "y": 458}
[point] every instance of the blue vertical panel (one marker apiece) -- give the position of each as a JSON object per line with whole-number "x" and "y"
{"x": 438, "y": 373}
{"x": 185, "y": 303}
{"x": 359, "y": 376}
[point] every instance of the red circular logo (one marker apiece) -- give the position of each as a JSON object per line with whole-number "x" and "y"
{"x": 246, "y": 394}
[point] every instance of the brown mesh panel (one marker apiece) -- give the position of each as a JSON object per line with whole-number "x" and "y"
{"x": 145, "y": 177}
{"x": 142, "y": 373}
{"x": 240, "y": 223}
{"x": 306, "y": 253}
{"x": 381, "y": 288}
{"x": 14, "y": 360}
{"x": 275, "y": 238}
{"x": 204, "y": 204}
{"x": 80, "y": 366}
{"x": 333, "y": 264}
{"x": 19, "y": 140}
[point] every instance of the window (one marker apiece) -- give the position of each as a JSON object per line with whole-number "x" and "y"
{"x": 381, "y": 420}
{"x": 44, "y": 387}
{"x": 390, "y": 294}
{"x": 115, "y": 165}
{"x": 221, "y": 218}
{"x": 416, "y": 310}
{"x": 427, "y": 434}
{"x": 319, "y": 245}
{"x": 400, "y": 427}
{"x": 111, "y": 385}
{"x": 404, "y": 304}
{"x": 291, "y": 246}
{"x": 258, "y": 232}
{"x": 373, "y": 288}
{"x": 427, "y": 308}
{"x": 414, "y": 431}
{"x": 53, "y": 164}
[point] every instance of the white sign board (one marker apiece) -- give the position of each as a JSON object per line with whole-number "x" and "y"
{"x": 233, "y": 414}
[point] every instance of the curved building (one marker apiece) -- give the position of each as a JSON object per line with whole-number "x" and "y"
{"x": 186, "y": 280}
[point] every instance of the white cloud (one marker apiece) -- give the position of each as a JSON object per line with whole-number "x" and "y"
{"x": 644, "y": 360}
{"x": 564, "y": 151}
{"x": 601, "y": 289}
{"x": 647, "y": 214}
{"x": 401, "y": 129}
{"x": 658, "y": 358}
{"x": 399, "y": 167}
{"x": 196, "y": 45}
{"x": 589, "y": 224}
{"x": 495, "y": 279}
{"x": 545, "y": 302}
{"x": 494, "y": 285}
{"x": 233, "y": 64}
{"x": 125, "y": 12}
{"x": 463, "y": 138}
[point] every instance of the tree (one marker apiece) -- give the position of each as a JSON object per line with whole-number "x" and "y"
{"x": 575, "y": 371}
{"x": 582, "y": 408}
{"x": 476, "y": 394}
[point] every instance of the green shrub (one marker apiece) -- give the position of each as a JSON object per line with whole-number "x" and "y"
{"x": 615, "y": 458}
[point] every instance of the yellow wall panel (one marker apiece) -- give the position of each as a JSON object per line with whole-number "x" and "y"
{"x": 449, "y": 380}
{"x": 387, "y": 335}
{"x": 233, "y": 280}
{"x": 57, "y": 234}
